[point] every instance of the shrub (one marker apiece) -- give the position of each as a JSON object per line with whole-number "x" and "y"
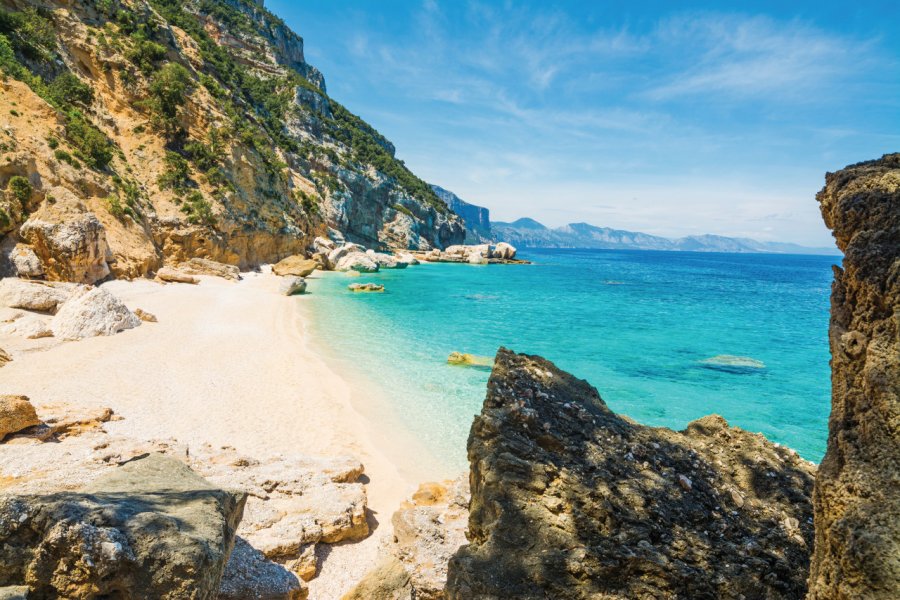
{"x": 52, "y": 142}
{"x": 198, "y": 209}
{"x": 114, "y": 206}
{"x": 20, "y": 188}
{"x": 177, "y": 174}
{"x": 145, "y": 54}
{"x": 168, "y": 91}
{"x": 67, "y": 89}
{"x": 90, "y": 144}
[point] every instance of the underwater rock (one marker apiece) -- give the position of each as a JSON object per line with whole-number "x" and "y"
{"x": 365, "y": 287}
{"x": 463, "y": 359}
{"x": 733, "y": 364}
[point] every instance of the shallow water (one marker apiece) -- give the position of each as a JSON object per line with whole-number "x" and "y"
{"x": 636, "y": 325}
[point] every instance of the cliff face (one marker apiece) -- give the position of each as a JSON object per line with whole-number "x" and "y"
{"x": 477, "y": 218}
{"x": 135, "y": 133}
{"x": 857, "y": 494}
{"x": 570, "y": 500}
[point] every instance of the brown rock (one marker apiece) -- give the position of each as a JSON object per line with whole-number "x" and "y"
{"x": 74, "y": 249}
{"x": 145, "y": 316}
{"x": 365, "y": 287}
{"x": 296, "y": 265}
{"x": 204, "y": 266}
{"x": 16, "y": 413}
{"x": 857, "y": 496}
{"x": 249, "y": 574}
{"x": 4, "y": 357}
{"x": 170, "y": 275}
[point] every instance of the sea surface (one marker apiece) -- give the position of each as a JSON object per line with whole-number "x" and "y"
{"x": 638, "y": 325}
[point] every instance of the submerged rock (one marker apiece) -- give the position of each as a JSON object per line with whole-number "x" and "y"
{"x": 463, "y": 359}
{"x": 91, "y": 312}
{"x": 296, "y": 265}
{"x": 291, "y": 285}
{"x": 150, "y": 529}
{"x": 569, "y": 500}
{"x": 857, "y": 496}
{"x": 365, "y": 287}
{"x": 16, "y": 414}
{"x": 733, "y": 364}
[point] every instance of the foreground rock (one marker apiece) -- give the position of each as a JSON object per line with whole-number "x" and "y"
{"x": 291, "y": 285}
{"x": 73, "y": 250}
{"x": 356, "y": 261}
{"x": 29, "y": 326}
{"x": 205, "y": 266}
{"x": 857, "y": 496}
{"x": 16, "y": 414}
{"x": 170, "y": 275}
{"x": 365, "y": 287}
{"x": 249, "y": 574}
{"x": 34, "y": 295}
{"x": 91, "y": 312}
{"x": 464, "y": 359}
{"x": 386, "y": 261}
{"x": 297, "y": 265}
{"x": 428, "y": 529}
{"x": 149, "y": 529}
{"x": 570, "y": 500}
{"x": 4, "y": 357}
{"x": 476, "y": 254}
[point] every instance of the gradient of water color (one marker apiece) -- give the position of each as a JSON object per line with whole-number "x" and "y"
{"x": 637, "y": 325}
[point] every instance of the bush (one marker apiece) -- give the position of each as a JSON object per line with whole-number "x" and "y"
{"x": 67, "y": 89}
{"x": 114, "y": 206}
{"x": 145, "y": 54}
{"x": 168, "y": 91}
{"x": 177, "y": 174}
{"x": 20, "y": 188}
{"x": 90, "y": 144}
{"x": 198, "y": 210}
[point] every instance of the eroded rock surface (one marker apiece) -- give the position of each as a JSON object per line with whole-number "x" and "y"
{"x": 91, "y": 312}
{"x": 569, "y": 500}
{"x": 296, "y": 265}
{"x": 34, "y": 295}
{"x": 16, "y": 413}
{"x": 857, "y": 496}
{"x": 205, "y": 266}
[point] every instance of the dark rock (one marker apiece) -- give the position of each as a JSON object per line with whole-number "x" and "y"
{"x": 249, "y": 574}
{"x": 569, "y": 500}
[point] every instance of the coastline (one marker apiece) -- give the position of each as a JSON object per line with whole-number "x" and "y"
{"x": 190, "y": 376}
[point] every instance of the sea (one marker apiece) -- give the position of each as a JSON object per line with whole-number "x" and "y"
{"x": 648, "y": 329}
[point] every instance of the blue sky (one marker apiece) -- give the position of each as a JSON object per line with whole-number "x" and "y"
{"x": 672, "y": 118}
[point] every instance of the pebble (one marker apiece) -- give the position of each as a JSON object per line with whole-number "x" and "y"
{"x": 685, "y": 483}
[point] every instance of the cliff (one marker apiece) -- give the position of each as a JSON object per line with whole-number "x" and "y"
{"x": 857, "y": 494}
{"x": 570, "y": 500}
{"x": 477, "y": 218}
{"x": 136, "y": 133}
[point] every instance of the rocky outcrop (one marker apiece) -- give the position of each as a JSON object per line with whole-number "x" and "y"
{"x": 16, "y": 414}
{"x": 205, "y": 266}
{"x": 386, "y": 261}
{"x": 73, "y": 250}
{"x": 34, "y": 295}
{"x": 171, "y": 275}
{"x": 296, "y": 265}
{"x": 569, "y": 500}
{"x": 150, "y": 528}
{"x": 91, "y": 312}
{"x": 356, "y": 261}
{"x": 365, "y": 287}
{"x": 476, "y": 218}
{"x": 857, "y": 494}
{"x": 249, "y": 574}
{"x": 501, "y": 253}
{"x": 291, "y": 285}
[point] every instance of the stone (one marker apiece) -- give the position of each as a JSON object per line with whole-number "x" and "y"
{"x": 16, "y": 414}
{"x": 30, "y": 326}
{"x": 297, "y": 265}
{"x": 733, "y": 364}
{"x": 249, "y": 574}
{"x": 857, "y": 497}
{"x": 476, "y": 258}
{"x": 343, "y": 250}
{"x": 170, "y": 275}
{"x": 73, "y": 250}
{"x": 464, "y": 359}
{"x": 323, "y": 245}
{"x": 205, "y": 266}
{"x": 504, "y": 251}
{"x": 145, "y": 316}
{"x": 290, "y": 285}
{"x": 356, "y": 261}
{"x": 385, "y": 261}
{"x": 569, "y": 500}
{"x": 91, "y": 312}
{"x": 148, "y": 529}
{"x": 14, "y": 592}
{"x": 365, "y": 287}
{"x": 406, "y": 258}
{"x": 4, "y": 357}
{"x": 26, "y": 262}
{"x": 389, "y": 580}
{"x": 34, "y": 295}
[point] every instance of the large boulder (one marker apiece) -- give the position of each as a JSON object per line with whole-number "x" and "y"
{"x": 73, "y": 250}
{"x": 16, "y": 414}
{"x": 249, "y": 574}
{"x": 857, "y": 495}
{"x": 504, "y": 251}
{"x": 386, "y": 261}
{"x": 569, "y": 500}
{"x": 172, "y": 275}
{"x": 205, "y": 266}
{"x": 296, "y": 265}
{"x": 26, "y": 262}
{"x": 29, "y": 326}
{"x": 356, "y": 261}
{"x": 34, "y": 295}
{"x": 150, "y": 529}
{"x": 335, "y": 255}
{"x": 91, "y": 312}
{"x": 291, "y": 285}
{"x": 323, "y": 245}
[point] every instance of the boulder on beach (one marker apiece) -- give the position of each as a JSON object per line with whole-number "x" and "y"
{"x": 297, "y": 265}
{"x": 4, "y": 357}
{"x": 406, "y": 258}
{"x": 170, "y": 275}
{"x": 26, "y": 262}
{"x": 356, "y": 261}
{"x": 291, "y": 285}
{"x": 464, "y": 359}
{"x": 72, "y": 250}
{"x": 733, "y": 364}
{"x": 16, "y": 414}
{"x": 249, "y": 574}
{"x": 41, "y": 296}
{"x": 145, "y": 316}
{"x": 91, "y": 312}
{"x": 29, "y": 326}
{"x": 385, "y": 261}
{"x": 205, "y": 266}
{"x": 150, "y": 528}
{"x": 365, "y": 287}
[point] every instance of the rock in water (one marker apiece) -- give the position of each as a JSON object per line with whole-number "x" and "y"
{"x": 569, "y": 500}
{"x": 365, "y": 287}
{"x": 291, "y": 285}
{"x": 464, "y": 359}
{"x": 91, "y": 312}
{"x": 151, "y": 529}
{"x": 297, "y": 265}
{"x": 733, "y": 364}
{"x": 356, "y": 261}
{"x": 857, "y": 496}
{"x": 16, "y": 414}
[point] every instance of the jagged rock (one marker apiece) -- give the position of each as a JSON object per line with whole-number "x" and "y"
{"x": 464, "y": 359}
{"x": 356, "y": 261}
{"x": 71, "y": 250}
{"x": 733, "y": 364}
{"x": 297, "y": 265}
{"x": 389, "y": 580}
{"x": 504, "y": 251}
{"x": 323, "y": 245}
{"x": 204, "y": 266}
{"x": 14, "y": 592}
{"x": 145, "y": 316}
{"x": 476, "y": 258}
{"x": 249, "y": 574}
{"x": 34, "y": 295}
{"x": 4, "y": 357}
{"x": 26, "y": 262}
{"x": 149, "y": 529}
{"x": 91, "y": 312}
{"x": 406, "y": 258}
{"x": 16, "y": 414}
{"x": 365, "y": 287}
{"x": 29, "y": 326}
{"x": 291, "y": 285}
{"x": 857, "y": 497}
{"x": 170, "y": 275}
{"x": 385, "y": 261}
{"x": 569, "y": 500}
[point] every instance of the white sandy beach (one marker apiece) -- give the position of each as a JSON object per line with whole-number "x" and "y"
{"x": 229, "y": 364}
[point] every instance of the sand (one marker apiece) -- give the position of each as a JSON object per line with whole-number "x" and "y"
{"x": 230, "y": 363}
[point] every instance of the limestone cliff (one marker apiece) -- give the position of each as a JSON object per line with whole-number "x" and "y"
{"x": 857, "y": 494}
{"x": 477, "y": 218}
{"x": 569, "y": 500}
{"x": 135, "y": 133}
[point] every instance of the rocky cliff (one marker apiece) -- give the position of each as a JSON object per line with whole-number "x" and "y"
{"x": 135, "y": 133}
{"x": 477, "y": 218}
{"x": 569, "y": 500}
{"x": 857, "y": 494}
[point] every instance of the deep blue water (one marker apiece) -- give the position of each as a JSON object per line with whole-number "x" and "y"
{"x": 636, "y": 324}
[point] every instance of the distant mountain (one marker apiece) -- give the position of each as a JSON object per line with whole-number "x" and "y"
{"x": 528, "y": 233}
{"x": 477, "y": 218}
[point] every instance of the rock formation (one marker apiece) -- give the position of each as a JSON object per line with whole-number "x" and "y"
{"x": 857, "y": 494}
{"x": 204, "y": 266}
{"x": 91, "y": 312}
{"x": 295, "y": 265}
{"x": 33, "y": 295}
{"x": 570, "y": 500}
{"x": 291, "y": 285}
{"x": 16, "y": 414}
{"x": 365, "y": 287}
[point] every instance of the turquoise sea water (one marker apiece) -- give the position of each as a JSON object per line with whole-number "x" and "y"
{"x": 636, "y": 325}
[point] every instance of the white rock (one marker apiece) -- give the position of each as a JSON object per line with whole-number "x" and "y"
{"x": 292, "y": 284}
{"x": 356, "y": 261}
{"x": 406, "y": 258}
{"x": 476, "y": 258}
{"x": 322, "y": 244}
{"x": 91, "y": 312}
{"x": 385, "y": 261}
{"x": 335, "y": 256}
{"x": 30, "y": 327}
{"x": 505, "y": 251}
{"x": 34, "y": 295}
{"x": 26, "y": 262}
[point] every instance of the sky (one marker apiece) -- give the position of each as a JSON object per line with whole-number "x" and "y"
{"x": 672, "y": 118}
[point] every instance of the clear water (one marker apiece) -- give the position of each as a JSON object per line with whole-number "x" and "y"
{"x": 636, "y": 325}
